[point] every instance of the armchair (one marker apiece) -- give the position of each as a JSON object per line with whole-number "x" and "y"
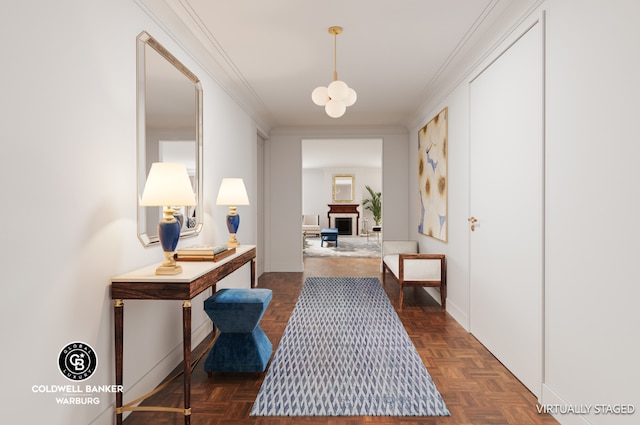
{"x": 310, "y": 224}
{"x": 411, "y": 268}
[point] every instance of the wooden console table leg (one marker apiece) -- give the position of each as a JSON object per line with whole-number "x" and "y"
{"x": 118, "y": 332}
{"x": 186, "y": 337}
{"x": 253, "y": 272}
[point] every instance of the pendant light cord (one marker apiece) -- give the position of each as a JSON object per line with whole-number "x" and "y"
{"x": 335, "y": 60}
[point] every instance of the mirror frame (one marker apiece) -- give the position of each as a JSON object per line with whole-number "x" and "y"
{"x": 337, "y": 177}
{"x": 144, "y": 40}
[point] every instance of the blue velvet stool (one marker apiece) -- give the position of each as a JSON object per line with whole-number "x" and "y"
{"x": 242, "y": 345}
{"x": 329, "y": 235}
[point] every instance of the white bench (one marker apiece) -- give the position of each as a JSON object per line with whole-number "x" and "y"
{"x": 411, "y": 268}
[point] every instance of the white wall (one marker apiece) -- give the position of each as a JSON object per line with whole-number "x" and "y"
{"x": 592, "y": 151}
{"x": 284, "y": 191}
{"x": 68, "y": 172}
{"x": 591, "y": 201}
{"x": 313, "y": 199}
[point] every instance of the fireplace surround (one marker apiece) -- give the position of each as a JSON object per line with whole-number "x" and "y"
{"x": 344, "y": 217}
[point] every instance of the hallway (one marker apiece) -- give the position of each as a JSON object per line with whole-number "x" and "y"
{"x": 475, "y": 386}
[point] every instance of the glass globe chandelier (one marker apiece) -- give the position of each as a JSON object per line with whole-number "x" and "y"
{"x": 338, "y": 95}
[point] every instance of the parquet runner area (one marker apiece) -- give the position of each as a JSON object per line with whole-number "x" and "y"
{"x": 476, "y": 387}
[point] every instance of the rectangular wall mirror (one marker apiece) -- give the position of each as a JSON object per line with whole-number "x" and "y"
{"x": 343, "y": 188}
{"x": 169, "y": 129}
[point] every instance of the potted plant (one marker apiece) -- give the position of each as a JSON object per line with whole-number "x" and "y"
{"x": 374, "y": 204}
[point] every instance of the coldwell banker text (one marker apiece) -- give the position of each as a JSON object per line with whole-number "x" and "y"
{"x": 77, "y": 394}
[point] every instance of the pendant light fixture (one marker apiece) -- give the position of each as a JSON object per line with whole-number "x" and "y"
{"x": 338, "y": 95}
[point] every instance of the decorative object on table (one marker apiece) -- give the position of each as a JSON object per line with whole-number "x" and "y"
{"x": 242, "y": 345}
{"x": 232, "y": 193}
{"x": 374, "y": 204}
{"x": 345, "y": 352}
{"x": 432, "y": 177}
{"x": 338, "y": 95}
{"x": 168, "y": 185}
{"x": 204, "y": 253}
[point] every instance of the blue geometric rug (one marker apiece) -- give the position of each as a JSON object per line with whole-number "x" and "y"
{"x": 345, "y": 352}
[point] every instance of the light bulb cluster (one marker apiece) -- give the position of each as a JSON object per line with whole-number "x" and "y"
{"x": 335, "y": 98}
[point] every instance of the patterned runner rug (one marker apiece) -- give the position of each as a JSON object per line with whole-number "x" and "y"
{"x": 345, "y": 352}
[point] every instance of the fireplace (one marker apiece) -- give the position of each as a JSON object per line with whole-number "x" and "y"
{"x": 344, "y": 225}
{"x": 344, "y": 217}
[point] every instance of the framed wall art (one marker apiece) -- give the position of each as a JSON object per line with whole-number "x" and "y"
{"x": 432, "y": 177}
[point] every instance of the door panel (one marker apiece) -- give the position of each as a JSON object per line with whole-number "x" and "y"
{"x": 506, "y": 199}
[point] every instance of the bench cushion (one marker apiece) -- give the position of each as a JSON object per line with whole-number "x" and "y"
{"x": 414, "y": 270}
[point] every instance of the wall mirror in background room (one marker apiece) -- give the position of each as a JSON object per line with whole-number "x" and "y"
{"x": 343, "y": 188}
{"x": 169, "y": 129}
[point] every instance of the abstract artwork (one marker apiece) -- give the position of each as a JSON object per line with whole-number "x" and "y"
{"x": 432, "y": 177}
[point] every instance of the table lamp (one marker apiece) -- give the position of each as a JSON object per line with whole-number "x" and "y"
{"x": 233, "y": 193}
{"x": 168, "y": 185}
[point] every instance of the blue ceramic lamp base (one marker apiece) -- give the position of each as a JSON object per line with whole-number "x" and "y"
{"x": 169, "y": 234}
{"x": 233, "y": 222}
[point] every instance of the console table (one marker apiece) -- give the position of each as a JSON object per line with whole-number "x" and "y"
{"x": 144, "y": 284}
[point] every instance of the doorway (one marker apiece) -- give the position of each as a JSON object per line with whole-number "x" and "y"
{"x": 323, "y": 160}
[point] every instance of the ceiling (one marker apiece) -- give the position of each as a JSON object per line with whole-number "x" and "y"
{"x": 270, "y": 55}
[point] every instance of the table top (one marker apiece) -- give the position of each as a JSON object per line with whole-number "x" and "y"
{"x": 196, "y": 276}
{"x": 191, "y": 270}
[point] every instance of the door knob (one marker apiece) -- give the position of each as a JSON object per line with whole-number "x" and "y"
{"x": 473, "y": 222}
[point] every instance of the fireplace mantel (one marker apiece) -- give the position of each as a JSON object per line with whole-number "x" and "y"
{"x": 344, "y": 209}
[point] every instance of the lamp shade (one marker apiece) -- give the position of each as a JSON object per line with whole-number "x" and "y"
{"x": 232, "y": 192}
{"x": 168, "y": 184}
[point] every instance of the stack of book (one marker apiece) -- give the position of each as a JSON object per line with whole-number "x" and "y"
{"x": 203, "y": 253}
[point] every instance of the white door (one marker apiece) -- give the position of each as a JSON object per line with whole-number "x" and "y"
{"x": 506, "y": 199}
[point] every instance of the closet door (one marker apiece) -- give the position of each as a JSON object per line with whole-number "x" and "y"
{"x": 506, "y": 199}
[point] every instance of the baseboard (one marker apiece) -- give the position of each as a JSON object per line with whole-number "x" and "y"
{"x": 458, "y": 314}
{"x": 552, "y": 399}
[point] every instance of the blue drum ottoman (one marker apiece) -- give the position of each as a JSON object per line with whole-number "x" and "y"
{"x": 242, "y": 345}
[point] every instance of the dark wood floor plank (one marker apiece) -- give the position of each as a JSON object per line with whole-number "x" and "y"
{"x": 476, "y": 387}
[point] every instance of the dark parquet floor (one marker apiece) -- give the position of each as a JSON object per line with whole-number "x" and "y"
{"x": 476, "y": 387}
